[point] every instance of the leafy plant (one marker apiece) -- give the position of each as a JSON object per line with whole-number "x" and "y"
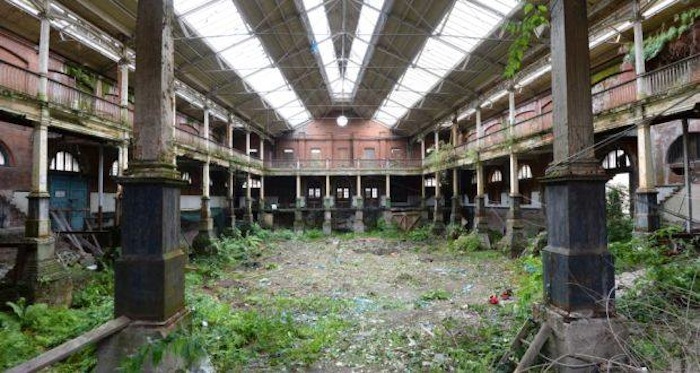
{"x": 466, "y": 243}
{"x": 654, "y": 44}
{"x": 421, "y": 234}
{"x": 619, "y": 223}
{"x": 523, "y": 33}
{"x": 439, "y": 294}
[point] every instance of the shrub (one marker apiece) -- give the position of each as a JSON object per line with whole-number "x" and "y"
{"x": 466, "y": 243}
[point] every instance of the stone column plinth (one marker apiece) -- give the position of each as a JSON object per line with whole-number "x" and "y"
{"x": 328, "y": 203}
{"x": 456, "y": 211}
{"x": 438, "y": 219}
{"x": 358, "y": 225}
{"x": 150, "y": 280}
{"x": 515, "y": 241}
{"x": 646, "y": 212}
{"x": 299, "y": 214}
{"x": 203, "y": 243}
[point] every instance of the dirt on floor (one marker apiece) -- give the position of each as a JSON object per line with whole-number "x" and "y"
{"x": 396, "y": 288}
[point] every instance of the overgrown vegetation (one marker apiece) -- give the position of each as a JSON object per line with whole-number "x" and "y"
{"x": 523, "y": 32}
{"x": 654, "y": 44}
{"x": 619, "y": 222}
{"x": 30, "y": 330}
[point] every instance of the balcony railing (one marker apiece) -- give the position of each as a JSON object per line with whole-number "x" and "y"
{"x": 342, "y": 164}
{"x": 184, "y": 138}
{"x": 21, "y": 81}
{"x": 622, "y": 91}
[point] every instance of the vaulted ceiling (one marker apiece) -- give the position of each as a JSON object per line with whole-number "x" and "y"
{"x": 279, "y": 63}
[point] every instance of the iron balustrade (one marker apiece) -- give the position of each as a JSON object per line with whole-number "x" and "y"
{"x": 619, "y": 90}
{"x": 342, "y": 164}
{"x": 614, "y": 92}
{"x": 22, "y": 81}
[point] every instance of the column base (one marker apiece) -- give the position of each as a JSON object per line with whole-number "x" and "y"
{"x": 231, "y": 210}
{"x": 578, "y": 269}
{"x": 358, "y": 226}
{"x": 438, "y": 226}
{"x": 43, "y": 278}
{"x": 424, "y": 214}
{"x": 248, "y": 216}
{"x": 38, "y": 223}
{"x": 646, "y": 212}
{"x": 589, "y": 337}
{"x": 514, "y": 242}
{"x": 455, "y": 211}
{"x": 387, "y": 215}
{"x": 298, "y": 221}
{"x": 327, "y": 225}
{"x": 150, "y": 275}
{"x": 203, "y": 243}
{"x": 481, "y": 226}
{"x": 112, "y": 351}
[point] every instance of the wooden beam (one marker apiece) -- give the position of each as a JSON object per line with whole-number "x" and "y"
{"x": 74, "y": 345}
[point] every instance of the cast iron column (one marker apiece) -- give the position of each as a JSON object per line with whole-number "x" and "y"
{"x": 298, "y": 208}
{"x": 149, "y": 275}
{"x": 248, "y": 215}
{"x": 327, "y": 208}
{"x": 123, "y": 157}
{"x": 480, "y": 218}
{"x": 578, "y": 268}
{"x": 202, "y": 243}
{"x": 45, "y": 280}
{"x": 456, "y": 206}
{"x": 646, "y": 212}
{"x": 358, "y": 225}
{"x": 230, "y": 196}
{"x": 514, "y": 241}
{"x": 438, "y": 219}
{"x": 387, "y": 200}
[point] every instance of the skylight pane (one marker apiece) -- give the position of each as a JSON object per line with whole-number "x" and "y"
{"x": 225, "y": 31}
{"x": 455, "y": 37}
{"x": 343, "y": 86}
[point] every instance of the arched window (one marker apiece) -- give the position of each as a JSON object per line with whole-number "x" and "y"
{"x": 114, "y": 170}
{"x": 254, "y": 184}
{"x": 64, "y": 161}
{"x": 4, "y": 157}
{"x": 524, "y": 172}
{"x": 616, "y": 159}
{"x": 187, "y": 177}
{"x": 496, "y": 176}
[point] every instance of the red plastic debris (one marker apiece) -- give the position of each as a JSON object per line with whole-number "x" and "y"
{"x": 493, "y": 299}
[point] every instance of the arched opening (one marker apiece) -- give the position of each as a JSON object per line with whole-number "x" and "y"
{"x": 617, "y": 163}
{"x": 525, "y": 179}
{"x": 494, "y": 190}
{"x": 674, "y": 155}
{"x": 69, "y": 193}
{"x": 4, "y": 155}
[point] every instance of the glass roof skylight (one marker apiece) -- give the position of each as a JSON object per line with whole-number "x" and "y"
{"x": 222, "y": 27}
{"x": 456, "y": 36}
{"x": 342, "y": 84}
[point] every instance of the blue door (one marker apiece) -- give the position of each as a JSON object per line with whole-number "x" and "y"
{"x": 69, "y": 198}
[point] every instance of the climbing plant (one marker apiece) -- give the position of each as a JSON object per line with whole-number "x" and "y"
{"x": 85, "y": 80}
{"x": 654, "y": 44}
{"x": 523, "y": 32}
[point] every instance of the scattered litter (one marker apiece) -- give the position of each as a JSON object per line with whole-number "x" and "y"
{"x": 493, "y": 299}
{"x": 92, "y": 267}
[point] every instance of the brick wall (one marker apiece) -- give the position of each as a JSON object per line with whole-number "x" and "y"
{"x": 336, "y": 142}
{"x": 16, "y": 142}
